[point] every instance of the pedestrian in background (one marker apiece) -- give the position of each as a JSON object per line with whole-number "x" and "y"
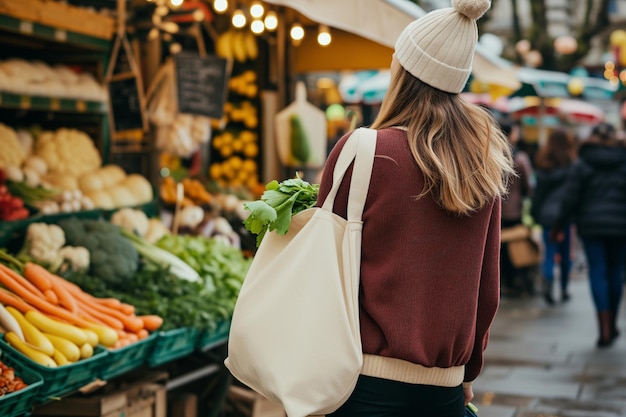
{"x": 595, "y": 195}
{"x": 431, "y": 226}
{"x": 515, "y": 281}
{"x": 553, "y": 166}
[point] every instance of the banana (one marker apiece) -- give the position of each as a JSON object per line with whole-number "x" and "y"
{"x": 238, "y": 46}
{"x": 31, "y": 333}
{"x": 64, "y": 330}
{"x": 69, "y": 350}
{"x": 222, "y": 46}
{"x": 86, "y": 351}
{"x": 59, "y": 358}
{"x": 252, "y": 49}
{"x": 30, "y": 352}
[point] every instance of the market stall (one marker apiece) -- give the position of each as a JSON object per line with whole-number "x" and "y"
{"x": 122, "y": 248}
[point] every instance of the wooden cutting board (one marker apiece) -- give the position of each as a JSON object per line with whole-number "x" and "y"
{"x": 314, "y": 123}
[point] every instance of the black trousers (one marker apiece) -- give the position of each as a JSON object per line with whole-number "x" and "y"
{"x": 377, "y": 397}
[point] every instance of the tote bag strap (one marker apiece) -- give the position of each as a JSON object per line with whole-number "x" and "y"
{"x": 360, "y": 147}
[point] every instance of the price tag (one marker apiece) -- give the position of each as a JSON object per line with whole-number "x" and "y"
{"x": 55, "y": 104}
{"x": 81, "y": 106}
{"x": 60, "y": 35}
{"x": 25, "y": 102}
{"x": 26, "y": 27}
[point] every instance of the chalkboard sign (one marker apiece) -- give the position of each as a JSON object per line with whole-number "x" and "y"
{"x": 202, "y": 84}
{"x": 127, "y": 107}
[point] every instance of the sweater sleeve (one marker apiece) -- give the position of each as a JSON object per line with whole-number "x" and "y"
{"x": 488, "y": 294}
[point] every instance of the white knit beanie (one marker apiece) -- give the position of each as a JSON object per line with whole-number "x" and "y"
{"x": 438, "y": 48}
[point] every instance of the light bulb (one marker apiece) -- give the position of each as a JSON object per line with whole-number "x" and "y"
{"x": 297, "y": 32}
{"x": 175, "y": 48}
{"x": 271, "y": 21}
{"x": 257, "y": 9}
{"x": 323, "y": 37}
{"x": 257, "y": 26}
{"x": 220, "y": 6}
{"x": 239, "y": 19}
{"x": 153, "y": 34}
{"x": 176, "y": 3}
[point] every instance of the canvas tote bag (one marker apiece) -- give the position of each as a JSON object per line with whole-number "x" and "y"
{"x": 295, "y": 336}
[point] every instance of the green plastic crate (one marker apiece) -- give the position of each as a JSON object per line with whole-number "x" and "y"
{"x": 211, "y": 338}
{"x": 127, "y": 358}
{"x": 20, "y": 402}
{"x": 62, "y": 380}
{"x": 173, "y": 344}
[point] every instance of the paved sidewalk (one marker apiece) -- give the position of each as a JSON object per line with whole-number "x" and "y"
{"x": 542, "y": 361}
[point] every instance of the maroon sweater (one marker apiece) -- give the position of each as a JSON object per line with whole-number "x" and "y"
{"x": 429, "y": 279}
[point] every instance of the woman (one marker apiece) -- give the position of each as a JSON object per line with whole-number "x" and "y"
{"x": 431, "y": 227}
{"x": 515, "y": 280}
{"x": 595, "y": 195}
{"x": 553, "y": 165}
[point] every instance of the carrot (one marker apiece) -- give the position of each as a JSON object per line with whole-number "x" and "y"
{"x": 99, "y": 317}
{"x": 9, "y": 299}
{"x": 127, "y": 309}
{"x": 65, "y": 298}
{"x": 17, "y": 283}
{"x": 151, "y": 322}
{"x": 110, "y": 302}
{"x": 116, "y": 304}
{"x": 130, "y": 322}
{"x": 142, "y": 334}
{"x": 51, "y": 296}
{"x": 38, "y": 275}
{"x": 41, "y": 304}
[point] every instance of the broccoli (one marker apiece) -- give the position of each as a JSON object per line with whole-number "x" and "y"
{"x": 113, "y": 258}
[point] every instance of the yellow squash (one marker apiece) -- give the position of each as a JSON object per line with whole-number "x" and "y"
{"x": 31, "y": 333}
{"x": 68, "y": 349}
{"x": 55, "y": 327}
{"x": 30, "y": 352}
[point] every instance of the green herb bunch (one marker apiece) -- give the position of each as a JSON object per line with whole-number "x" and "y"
{"x": 278, "y": 204}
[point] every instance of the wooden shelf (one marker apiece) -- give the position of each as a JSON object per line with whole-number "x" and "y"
{"x": 41, "y": 103}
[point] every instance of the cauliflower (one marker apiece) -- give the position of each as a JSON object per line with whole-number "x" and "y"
{"x": 135, "y": 221}
{"x": 191, "y": 216}
{"x": 12, "y": 151}
{"x": 77, "y": 257}
{"x": 156, "y": 230}
{"x": 43, "y": 242}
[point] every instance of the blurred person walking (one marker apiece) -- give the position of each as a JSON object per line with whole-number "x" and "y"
{"x": 595, "y": 195}
{"x": 515, "y": 281}
{"x": 553, "y": 166}
{"x": 431, "y": 227}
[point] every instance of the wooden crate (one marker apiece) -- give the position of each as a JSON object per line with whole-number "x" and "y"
{"x": 61, "y": 16}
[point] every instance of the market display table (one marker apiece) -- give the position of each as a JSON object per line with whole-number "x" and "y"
{"x": 178, "y": 357}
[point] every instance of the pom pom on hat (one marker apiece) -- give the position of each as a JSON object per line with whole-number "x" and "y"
{"x": 472, "y": 9}
{"x": 438, "y": 48}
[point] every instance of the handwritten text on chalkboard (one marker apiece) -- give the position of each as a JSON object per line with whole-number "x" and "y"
{"x": 201, "y": 84}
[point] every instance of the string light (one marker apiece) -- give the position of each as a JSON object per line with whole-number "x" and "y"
{"x": 220, "y": 6}
{"x": 257, "y": 10}
{"x": 271, "y": 21}
{"x": 296, "y": 32}
{"x": 323, "y": 36}
{"x": 239, "y": 19}
{"x": 257, "y": 26}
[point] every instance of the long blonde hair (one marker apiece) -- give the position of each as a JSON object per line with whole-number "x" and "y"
{"x": 464, "y": 156}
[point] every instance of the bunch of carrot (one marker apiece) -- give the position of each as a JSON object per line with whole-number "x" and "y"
{"x": 39, "y": 289}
